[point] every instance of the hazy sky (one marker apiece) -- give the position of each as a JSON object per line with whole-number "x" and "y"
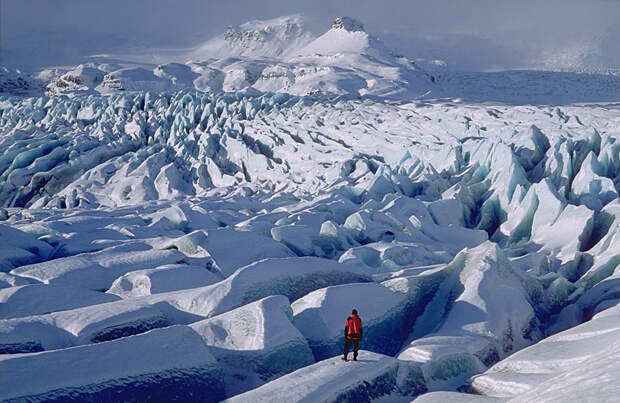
{"x": 467, "y": 34}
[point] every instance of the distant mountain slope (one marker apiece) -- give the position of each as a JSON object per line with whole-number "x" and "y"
{"x": 273, "y": 38}
{"x": 280, "y": 55}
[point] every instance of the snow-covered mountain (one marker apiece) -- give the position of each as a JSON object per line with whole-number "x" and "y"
{"x": 276, "y": 55}
{"x": 346, "y": 36}
{"x": 15, "y": 82}
{"x": 200, "y": 230}
{"x": 280, "y": 55}
{"x": 279, "y": 37}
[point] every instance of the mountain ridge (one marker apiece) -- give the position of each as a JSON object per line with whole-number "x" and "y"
{"x": 280, "y": 55}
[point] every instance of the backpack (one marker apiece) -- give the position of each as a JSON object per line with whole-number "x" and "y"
{"x": 354, "y": 325}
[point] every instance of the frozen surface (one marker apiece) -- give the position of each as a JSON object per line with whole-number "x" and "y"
{"x": 319, "y": 316}
{"x": 255, "y": 343}
{"x": 172, "y": 362}
{"x": 98, "y": 270}
{"x": 577, "y": 364}
{"x": 291, "y": 277}
{"x": 19, "y": 248}
{"x": 456, "y": 254}
{"x": 217, "y": 218}
{"x": 27, "y": 300}
{"x": 372, "y": 376}
{"x": 223, "y": 246}
{"x": 166, "y": 278}
{"x": 440, "y": 397}
{"x": 482, "y": 312}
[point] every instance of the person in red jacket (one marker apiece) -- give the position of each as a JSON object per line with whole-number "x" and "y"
{"x": 353, "y": 333}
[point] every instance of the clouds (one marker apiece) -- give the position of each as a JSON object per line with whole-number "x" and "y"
{"x": 486, "y": 34}
{"x": 473, "y": 35}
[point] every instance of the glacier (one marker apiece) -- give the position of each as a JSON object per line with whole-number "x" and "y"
{"x": 201, "y": 230}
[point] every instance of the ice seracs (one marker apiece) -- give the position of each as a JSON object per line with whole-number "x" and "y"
{"x": 20, "y": 248}
{"x": 186, "y": 210}
{"x": 138, "y": 283}
{"x": 210, "y": 227}
{"x": 99, "y": 269}
{"x": 34, "y": 299}
{"x": 484, "y": 311}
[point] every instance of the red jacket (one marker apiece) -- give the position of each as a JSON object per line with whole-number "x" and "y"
{"x": 353, "y": 328}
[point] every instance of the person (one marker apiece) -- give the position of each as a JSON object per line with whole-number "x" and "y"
{"x": 353, "y": 333}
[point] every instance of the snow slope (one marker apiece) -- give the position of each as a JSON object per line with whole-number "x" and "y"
{"x": 254, "y": 39}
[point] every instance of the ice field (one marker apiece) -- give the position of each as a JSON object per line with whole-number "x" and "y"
{"x": 199, "y": 243}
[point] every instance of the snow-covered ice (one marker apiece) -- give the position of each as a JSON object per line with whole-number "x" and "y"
{"x": 319, "y": 316}
{"x": 166, "y": 363}
{"x": 255, "y": 343}
{"x": 372, "y": 376}
{"x": 33, "y": 299}
{"x": 578, "y": 364}
{"x": 201, "y": 229}
{"x": 165, "y": 278}
{"x": 482, "y": 312}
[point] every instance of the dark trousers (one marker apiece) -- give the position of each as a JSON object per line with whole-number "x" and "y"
{"x": 347, "y": 345}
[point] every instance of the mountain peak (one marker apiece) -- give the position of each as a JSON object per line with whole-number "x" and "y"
{"x": 346, "y": 36}
{"x": 257, "y": 38}
{"x": 348, "y": 24}
{"x": 287, "y": 27}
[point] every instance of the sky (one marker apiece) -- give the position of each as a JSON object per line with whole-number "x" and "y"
{"x": 476, "y": 35}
